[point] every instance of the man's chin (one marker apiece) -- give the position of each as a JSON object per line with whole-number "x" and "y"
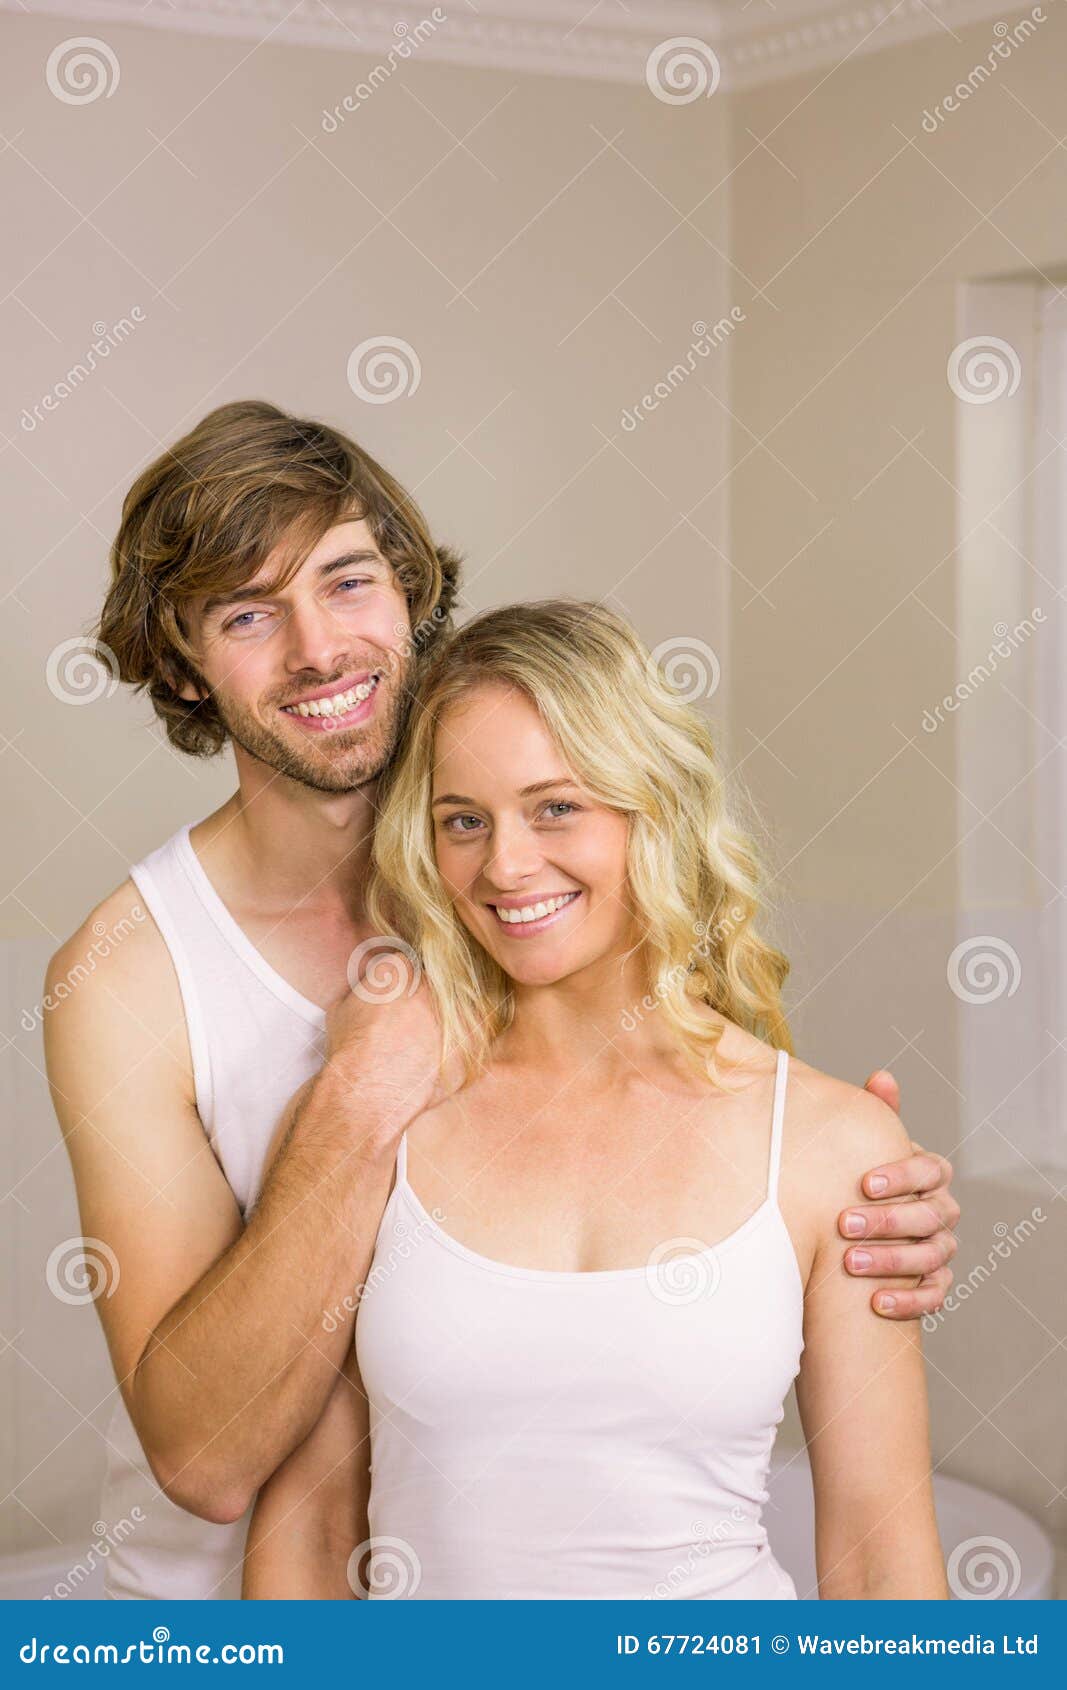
{"x": 335, "y": 782}
{"x": 335, "y": 768}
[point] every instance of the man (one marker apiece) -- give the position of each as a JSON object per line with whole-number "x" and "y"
{"x": 274, "y": 589}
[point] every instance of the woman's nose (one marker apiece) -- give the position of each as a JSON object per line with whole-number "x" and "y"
{"x": 515, "y": 858}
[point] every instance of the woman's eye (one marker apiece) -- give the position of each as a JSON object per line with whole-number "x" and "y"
{"x": 560, "y": 805}
{"x": 456, "y": 824}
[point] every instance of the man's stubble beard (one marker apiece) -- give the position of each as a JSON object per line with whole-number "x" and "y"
{"x": 338, "y": 767}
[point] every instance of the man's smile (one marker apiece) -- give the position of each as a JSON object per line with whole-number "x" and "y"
{"x": 343, "y": 705}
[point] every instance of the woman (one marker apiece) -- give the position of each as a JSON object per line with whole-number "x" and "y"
{"x": 609, "y": 1249}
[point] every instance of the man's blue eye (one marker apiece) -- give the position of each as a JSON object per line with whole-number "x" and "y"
{"x": 243, "y": 620}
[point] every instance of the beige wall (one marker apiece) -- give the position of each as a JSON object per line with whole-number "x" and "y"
{"x": 254, "y": 246}
{"x": 863, "y": 244}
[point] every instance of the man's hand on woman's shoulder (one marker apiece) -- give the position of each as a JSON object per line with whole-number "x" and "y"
{"x": 903, "y": 1226}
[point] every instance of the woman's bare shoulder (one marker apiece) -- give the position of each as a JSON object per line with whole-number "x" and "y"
{"x": 834, "y": 1132}
{"x": 739, "y": 1055}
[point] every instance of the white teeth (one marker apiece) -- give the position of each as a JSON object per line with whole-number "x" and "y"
{"x": 336, "y": 705}
{"x": 534, "y": 912}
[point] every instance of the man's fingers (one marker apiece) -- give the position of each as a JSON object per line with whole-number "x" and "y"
{"x": 943, "y": 1201}
{"x": 882, "y": 1084}
{"x": 892, "y": 1220}
{"x": 920, "y": 1227}
{"x": 912, "y": 1302}
{"x": 916, "y": 1219}
{"x": 922, "y": 1171}
{"x": 902, "y": 1261}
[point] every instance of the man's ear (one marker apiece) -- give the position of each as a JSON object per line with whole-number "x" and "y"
{"x": 184, "y": 683}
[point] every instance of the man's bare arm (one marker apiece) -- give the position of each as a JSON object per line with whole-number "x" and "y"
{"x": 226, "y": 1338}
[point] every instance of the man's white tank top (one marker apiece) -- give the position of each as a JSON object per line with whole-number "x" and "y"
{"x": 254, "y": 1040}
{"x": 603, "y": 1434}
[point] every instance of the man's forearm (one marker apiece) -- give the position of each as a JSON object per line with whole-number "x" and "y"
{"x": 237, "y": 1373}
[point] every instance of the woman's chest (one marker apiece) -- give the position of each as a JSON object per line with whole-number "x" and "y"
{"x": 585, "y": 1187}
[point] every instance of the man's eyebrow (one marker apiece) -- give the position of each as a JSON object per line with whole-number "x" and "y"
{"x": 267, "y": 589}
{"x": 346, "y": 560}
{"x": 527, "y": 791}
{"x": 238, "y": 595}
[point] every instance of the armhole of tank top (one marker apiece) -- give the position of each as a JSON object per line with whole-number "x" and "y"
{"x": 774, "y": 1163}
{"x": 203, "y": 1088}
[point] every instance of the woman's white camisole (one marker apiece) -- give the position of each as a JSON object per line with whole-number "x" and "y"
{"x": 551, "y": 1434}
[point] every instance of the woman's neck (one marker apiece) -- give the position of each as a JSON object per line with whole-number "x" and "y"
{"x": 599, "y": 1020}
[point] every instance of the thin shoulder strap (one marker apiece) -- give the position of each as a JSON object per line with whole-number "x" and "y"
{"x": 777, "y": 1119}
{"x": 402, "y": 1159}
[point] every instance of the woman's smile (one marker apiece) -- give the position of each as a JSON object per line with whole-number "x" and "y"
{"x": 521, "y": 918}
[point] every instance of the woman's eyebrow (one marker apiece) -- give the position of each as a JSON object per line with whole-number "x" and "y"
{"x": 546, "y": 786}
{"x": 527, "y": 791}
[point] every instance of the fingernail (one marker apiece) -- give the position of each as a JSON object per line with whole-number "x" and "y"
{"x": 855, "y": 1224}
{"x": 885, "y": 1302}
{"x": 860, "y": 1259}
{"x": 877, "y": 1184}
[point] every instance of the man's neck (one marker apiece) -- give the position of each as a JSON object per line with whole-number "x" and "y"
{"x": 284, "y": 844}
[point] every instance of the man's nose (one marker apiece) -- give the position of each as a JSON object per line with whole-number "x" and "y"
{"x": 314, "y": 639}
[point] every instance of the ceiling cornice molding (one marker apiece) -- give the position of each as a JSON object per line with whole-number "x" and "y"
{"x": 821, "y": 32}
{"x": 555, "y": 37}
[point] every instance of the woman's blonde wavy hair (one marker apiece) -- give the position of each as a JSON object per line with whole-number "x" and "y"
{"x": 636, "y": 746}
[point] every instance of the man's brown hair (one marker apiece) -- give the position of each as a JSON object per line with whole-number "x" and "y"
{"x": 205, "y": 515}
